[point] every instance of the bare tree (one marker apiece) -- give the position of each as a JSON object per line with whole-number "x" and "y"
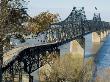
{"x": 68, "y": 69}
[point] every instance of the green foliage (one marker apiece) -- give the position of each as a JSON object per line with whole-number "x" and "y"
{"x": 42, "y": 21}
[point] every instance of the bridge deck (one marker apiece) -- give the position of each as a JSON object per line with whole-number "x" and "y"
{"x": 12, "y": 54}
{"x": 73, "y": 27}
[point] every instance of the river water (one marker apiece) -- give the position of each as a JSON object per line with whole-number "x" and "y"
{"x": 90, "y": 49}
{"x": 102, "y": 62}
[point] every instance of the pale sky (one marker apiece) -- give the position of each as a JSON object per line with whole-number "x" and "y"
{"x": 64, "y": 7}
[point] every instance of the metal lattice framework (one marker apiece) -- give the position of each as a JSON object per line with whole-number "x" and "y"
{"x": 74, "y": 26}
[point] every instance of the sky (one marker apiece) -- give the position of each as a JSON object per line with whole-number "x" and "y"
{"x": 64, "y": 7}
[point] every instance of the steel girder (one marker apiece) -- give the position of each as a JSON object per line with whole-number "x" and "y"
{"x": 74, "y": 26}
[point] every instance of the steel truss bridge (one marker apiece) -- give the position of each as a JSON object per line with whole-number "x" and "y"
{"x": 30, "y": 58}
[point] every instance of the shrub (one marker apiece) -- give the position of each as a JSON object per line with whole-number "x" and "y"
{"x": 70, "y": 68}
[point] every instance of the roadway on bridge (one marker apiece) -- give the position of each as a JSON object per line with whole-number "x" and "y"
{"x": 11, "y": 54}
{"x": 102, "y": 62}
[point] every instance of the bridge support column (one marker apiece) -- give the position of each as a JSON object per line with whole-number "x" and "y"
{"x": 77, "y": 47}
{"x": 105, "y": 34}
{"x": 30, "y": 78}
{"x": 101, "y": 36}
{"x": 108, "y": 31}
{"x": 96, "y": 37}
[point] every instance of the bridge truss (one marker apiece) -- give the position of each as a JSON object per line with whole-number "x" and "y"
{"x": 74, "y": 26}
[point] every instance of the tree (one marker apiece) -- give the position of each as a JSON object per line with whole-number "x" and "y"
{"x": 42, "y": 21}
{"x": 12, "y": 16}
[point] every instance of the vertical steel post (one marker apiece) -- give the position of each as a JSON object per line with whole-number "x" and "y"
{"x": 30, "y": 78}
{"x": 1, "y": 60}
{"x": 20, "y": 71}
{"x": 12, "y": 74}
